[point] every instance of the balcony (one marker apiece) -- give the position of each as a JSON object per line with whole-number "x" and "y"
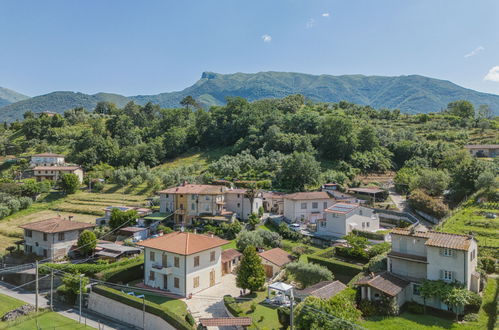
{"x": 162, "y": 269}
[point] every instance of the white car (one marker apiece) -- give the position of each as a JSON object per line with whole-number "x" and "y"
{"x": 295, "y": 226}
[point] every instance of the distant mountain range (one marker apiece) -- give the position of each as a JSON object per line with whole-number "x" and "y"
{"x": 411, "y": 94}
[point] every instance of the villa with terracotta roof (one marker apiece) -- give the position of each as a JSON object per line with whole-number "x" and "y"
{"x": 420, "y": 254}
{"x": 306, "y": 206}
{"x": 194, "y": 201}
{"x": 52, "y": 238}
{"x": 53, "y": 173}
{"x": 237, "y": 201}
{"x": 183, "y": 263}
{"x": 274, "y": 260}
{"x": 47, "y": 159}
{"x": 341, "y": 218}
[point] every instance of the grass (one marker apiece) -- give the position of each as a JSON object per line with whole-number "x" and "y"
{"x": 269, "y": 314}
{"x": 8, "y": 303}
{"x": 231, "y": 245}
{"x": 487, "y": 316}
{"x": 201, "y": 158}
{"x": 177, "y": 306}
{"x": 45, "y": 320}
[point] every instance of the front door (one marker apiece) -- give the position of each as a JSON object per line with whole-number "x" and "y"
{"x": 212, "y": 278}
{"x": 165, "y": 282}
{"x": 268, "y": 271}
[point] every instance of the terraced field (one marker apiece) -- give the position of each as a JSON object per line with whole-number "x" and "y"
{"x": 84, "y": 206}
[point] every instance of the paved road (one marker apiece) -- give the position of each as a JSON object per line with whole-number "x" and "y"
{"x": 92, "y": 320}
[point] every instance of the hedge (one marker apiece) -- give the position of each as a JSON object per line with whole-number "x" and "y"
{"x": 170, "y": 317}
{"x": 123, "y": 273}
{"x": 368, "y": 234}
{"x": 232, "y": 306}
{"x": 91, "y": 269}
{"x": 336, "y": 266}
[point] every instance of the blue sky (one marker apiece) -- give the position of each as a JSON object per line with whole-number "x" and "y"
{"x": 148, "y": 47}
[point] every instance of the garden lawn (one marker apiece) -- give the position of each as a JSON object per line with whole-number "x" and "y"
{"x": 231, "y": 245}
{"x": 415, "y": 322}
{"x": 46, "y": 320}
{"x": 269, "y": 313}
{"x": 177, "y": 306}
{"x": 8, "y": 303}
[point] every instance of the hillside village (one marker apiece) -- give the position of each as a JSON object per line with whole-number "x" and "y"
{"x": 233, "y": 253}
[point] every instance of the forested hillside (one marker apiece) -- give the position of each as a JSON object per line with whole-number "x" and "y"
{"x": 286, "y": 144}
{"x": 410, "y": 94}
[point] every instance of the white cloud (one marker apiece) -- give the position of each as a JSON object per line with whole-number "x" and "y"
{"x": 493, "y": 74}
{"x": 474, "y": 52}
{"x": 325, "y": 15}
{"x": 310, "y": 23}
{"x": 266, "y": 38}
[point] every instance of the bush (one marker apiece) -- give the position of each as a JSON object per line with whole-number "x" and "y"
{"x": 247, "y": 238}
{"x": 25, "y": 202}
{"x": 190, "y": 319}
{"x": 368, "y": 308}
{"x": 253, "y": 307}
{"x": 488, "y": 264}
{"x": 368, "y": 234}
{"x": 167, "y": 315}
{"x": 270, "y": 238}
{"x": 377, "y": 263}
{"x": 4, "y": 211}
{"x": 378, "y": 249}
{"x": 66, "y": 295}
{"x": 283, "y": 314}
{"x": 97, "y": 186}
{"x": 351, "y": 253}
{"x": 474, "y": 303}
{"x": 415, "y": 308}
{"x": 423, "y": 202}
{"x": 13, "y": 204}
{"x": 164, "y": 229}
{"x": 472, "y": 317}
{"x": 232, "y": 306}
{"x": 308, "y": 274}
{"x": 337, "y": 267}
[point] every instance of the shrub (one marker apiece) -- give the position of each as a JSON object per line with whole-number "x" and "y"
{"x": 351, "y": 253}
{"x": 4, "y": 211}
{"x": 308, "y": 274}
{"x": 368, "y": 308}
{"x": 283, "y": 314}
{"x": 474, "y": 303}
{"x": 190, "y": 319}
{"x": 415, "y": 308}
{"x": 164, "y": 229}
{"x": 488, "y": 264}
{"x": 336, "y": 266}
{"x": 472, "y": 317}
{"x": 25, "y": 202}
{"x": 66, "y": 295}
{"x": 13, "y": 204}
{"x": 379, "y": 249}
{"x": 247, "y": 238}
{"x": 232, "y": 306}
{"x": 270, "y": 238}
{"x": 423, "y": 202}
{"x": 368, "y": 234}
{"x": 377, "y": 263}
{"x": 253, "y": 307}
{"x": 97, "y": 186}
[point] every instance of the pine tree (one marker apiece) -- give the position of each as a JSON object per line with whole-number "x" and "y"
{"x": 250, "y": 273}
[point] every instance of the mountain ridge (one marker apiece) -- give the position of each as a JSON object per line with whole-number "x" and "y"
{"x": 409, "y": 93}
{"x": 8, "y": 96}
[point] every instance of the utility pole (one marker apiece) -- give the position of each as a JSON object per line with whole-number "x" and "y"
{"x": 143, "y": 310}
{"x": 79, "y": 318}
{"x": 291, "y": 318}
{"x": 52, "y": 289}
{"x": 36, "y": 286}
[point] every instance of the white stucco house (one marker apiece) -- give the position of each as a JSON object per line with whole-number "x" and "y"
{"x": 52, "y": 238}
{"x": 419, "y": 254}
{"x": 183, "y": 263}
{"x": 237, "y": 201}
{"x": 47, "y": 159}
{"x": 341, "y": 218}
{"x": 306, "y": 206}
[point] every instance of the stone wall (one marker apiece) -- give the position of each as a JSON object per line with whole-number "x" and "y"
{"x": 125, "y": 313}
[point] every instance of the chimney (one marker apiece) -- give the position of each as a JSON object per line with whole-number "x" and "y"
{"x": 211, "y": 235}
{"x": 70, "y": 218}
{"x": 195, "y": 231}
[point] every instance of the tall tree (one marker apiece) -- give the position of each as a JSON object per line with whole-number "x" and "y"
{"x": 69, "y": 183}
{"x": 87, "y": 242}
{"x": 339, "y": 137}
{"x": 298, "y": 171}
{"x": 250, "y": 272}
{"x": 189, "y": 101}
{"x": 121, "y": 218}
{"x": 461, "y": 108}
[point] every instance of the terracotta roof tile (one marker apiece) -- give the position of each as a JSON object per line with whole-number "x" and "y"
{"x": 201, "y": 189}
{"x": 308, "y": 195}
{"x": 56, "y": 225}
{"x": 230, "y": 254}
{"x": 438, "y": 239}
{"x": 385, "y": 282}
{"x": 226, "y": 321}
{"x": 183, "y": 243}
{"x": 324, "y": 289}
{"x": 47, "y": 154}
{"x": 277, "y": 256}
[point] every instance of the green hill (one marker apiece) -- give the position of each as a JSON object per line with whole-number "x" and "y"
{"x": 57, "y": 102}
{"x": 412, "y": 94}
{"x": 8, "y": 96}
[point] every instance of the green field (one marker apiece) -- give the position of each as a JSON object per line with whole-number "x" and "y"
{"x": 264, "y": 316}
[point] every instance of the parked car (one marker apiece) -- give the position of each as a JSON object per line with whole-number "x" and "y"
{"x": 295, "y": 226}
